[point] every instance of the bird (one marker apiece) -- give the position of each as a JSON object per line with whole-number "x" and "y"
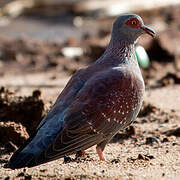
{"x": 96, "y": 103}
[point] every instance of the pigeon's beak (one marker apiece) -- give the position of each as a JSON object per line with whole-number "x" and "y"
{"x": 148, "y": 31}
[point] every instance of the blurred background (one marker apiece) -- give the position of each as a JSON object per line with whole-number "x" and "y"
{"x": 42, "y": 38}
{"x": 65, "y": 35}
{"x": 43, "y": 42}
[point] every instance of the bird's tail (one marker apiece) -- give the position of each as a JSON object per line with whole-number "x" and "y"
{"x": 19, "y": 159}
{"x": 38, "y": 142}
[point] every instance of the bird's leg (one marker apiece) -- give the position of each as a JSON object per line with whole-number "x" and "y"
{"x": 84, "y": 153}
{"x": 100, "y": 153}
{"x": 100, "y": 148}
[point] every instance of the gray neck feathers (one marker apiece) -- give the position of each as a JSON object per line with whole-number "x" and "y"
{"x": 119, "y": 51}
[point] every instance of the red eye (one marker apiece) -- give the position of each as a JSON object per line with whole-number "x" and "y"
{"x": 133, "y": 22}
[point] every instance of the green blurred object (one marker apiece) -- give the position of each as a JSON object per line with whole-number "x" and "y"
{"x": 142, "y": 56}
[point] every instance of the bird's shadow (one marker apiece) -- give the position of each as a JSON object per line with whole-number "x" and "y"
{"x": 77, "y": 159}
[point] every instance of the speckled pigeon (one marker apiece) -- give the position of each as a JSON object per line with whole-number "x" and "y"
{"x": 96, "y": 103}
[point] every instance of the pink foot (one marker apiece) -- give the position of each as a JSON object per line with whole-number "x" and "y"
{"x": 83, "y": 153}
{"x": 100, "y": 153}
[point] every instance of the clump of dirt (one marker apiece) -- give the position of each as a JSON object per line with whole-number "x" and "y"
{"x": 32, "y": 55}
{"x": 123, "y": 135}
{"x": 173, "y": 132}
{"x": 146, "y": 109}
{"x": 163, "y": 48}
{"x": 25, "y": 110}
{"x": 158, "y": 52}
{"x": 151, "y": 113}
{"x": 151, "y": 140}
{"x": 170, "y": 79}
{"x": 145, "y": 157}
{"x": 13, "y": 135}
{"x": 19, "y": 116}
{"x": 24, "y": 175}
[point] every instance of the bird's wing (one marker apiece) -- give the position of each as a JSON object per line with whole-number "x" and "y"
{"x": 85, "y": 123}
{"x": 66, "y": 97}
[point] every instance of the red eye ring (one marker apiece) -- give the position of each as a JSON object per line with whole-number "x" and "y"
{"x": 133, "y": 22}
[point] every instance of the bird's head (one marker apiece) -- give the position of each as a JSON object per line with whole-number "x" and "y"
{"x": 130, "y": 27}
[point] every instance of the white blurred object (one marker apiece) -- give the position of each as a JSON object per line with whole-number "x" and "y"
{"x": 115, "y": 7}
{"x": 72, "y": 51}
{"x": 78, "y": 21}
{"x": 105, "y": 7}
{"x": 15, "y": 8}
{"x": 4, "y": 21}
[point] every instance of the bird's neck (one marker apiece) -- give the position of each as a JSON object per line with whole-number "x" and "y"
{"x": 121, "y": 51}
{"x": 120, "y": 48}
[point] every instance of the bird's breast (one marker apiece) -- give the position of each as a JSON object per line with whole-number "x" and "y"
{"x": 120, "y": 106}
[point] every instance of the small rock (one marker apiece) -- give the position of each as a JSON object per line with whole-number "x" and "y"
{"x": 166, "y": 120}
{"x": 127, "y": 133}
{"x": 146, "y": 109}
{"x": 151, "y": 140}
{"x": 144, "y": 121}
{"x": 115, "y": 161}
{"x": 68, "y": 178}
{"x": 170, "y": 79}
{"x": 68, "y": 159}
{"x": 20, "y": 174}
{"x": 7, "y": 178}
{"x": 145, "y": 157}
{"x": 36, "y": 93}
{"x": 141, "y": 156}
{"x": 165, "y": 140}
{"x": 43, "y": 170}
{"x": 173, "y": 132}
{"x": 27, "y": 177}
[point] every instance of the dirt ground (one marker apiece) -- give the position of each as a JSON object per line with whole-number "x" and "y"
{"x": 150, "y": 150}
{"x": 33, "y": 73}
